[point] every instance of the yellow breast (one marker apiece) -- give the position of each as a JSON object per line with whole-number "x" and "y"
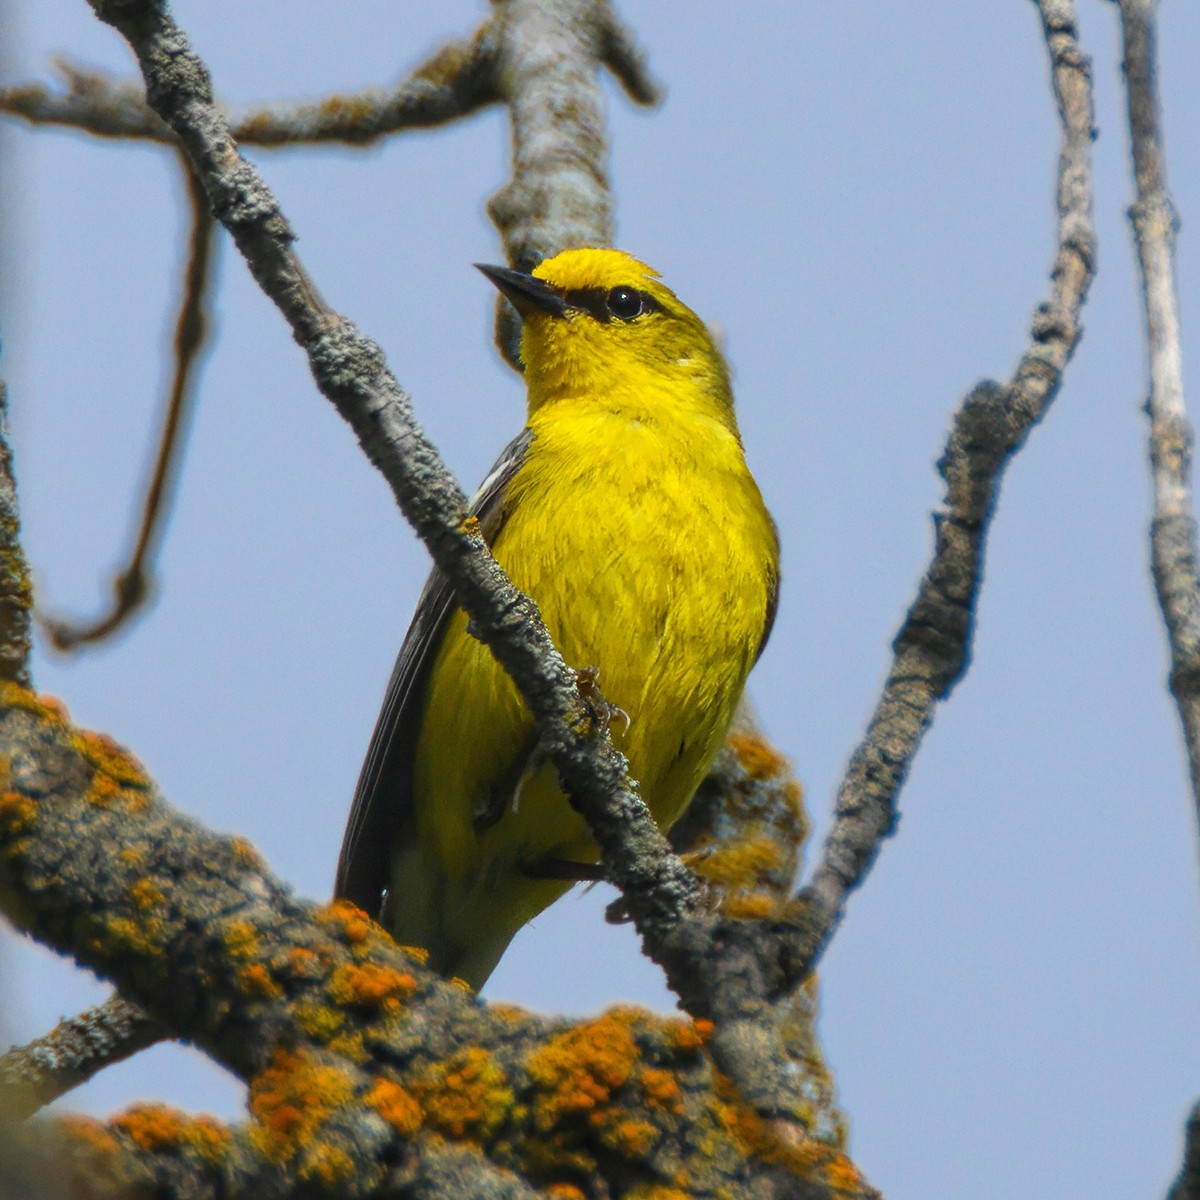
{"x": 644, "y": 540}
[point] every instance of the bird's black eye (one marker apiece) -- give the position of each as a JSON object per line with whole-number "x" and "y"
{"x": 625, "y": 303}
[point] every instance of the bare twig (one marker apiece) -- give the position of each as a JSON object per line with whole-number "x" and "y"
{"x": 932, "y": 649}
{"x": 71, "y": 1053}
{"x": 93, "y": 102}
{"x": 455, "y": 81}
{"x": 1155, "y": 223}
{"x": 133, "y": 584}
{"x": 626, "y": 60}
{"x": 559, "y": 195}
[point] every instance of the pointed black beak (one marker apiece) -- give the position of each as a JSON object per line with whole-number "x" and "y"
{"x": 525, "y": 293}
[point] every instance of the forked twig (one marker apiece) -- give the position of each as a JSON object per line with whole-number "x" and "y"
{"x": 932, "y": 649}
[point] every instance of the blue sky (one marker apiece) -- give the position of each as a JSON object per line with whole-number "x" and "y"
{"x": 860, "y": 196}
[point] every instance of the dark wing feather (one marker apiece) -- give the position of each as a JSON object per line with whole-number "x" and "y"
{"x": 383, "y": 800}
{"x": 772, "y": 606}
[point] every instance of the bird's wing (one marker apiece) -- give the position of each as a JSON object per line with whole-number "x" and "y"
{"x": 383, "y": 800}
{"x": 772, "y": 606}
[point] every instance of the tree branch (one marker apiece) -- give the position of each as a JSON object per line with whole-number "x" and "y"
{"x": 356, "y": 1054}
{"x": 16, "y": 591}
{"x": 76, "y": 1049}
{"x": 932, "y": 648}
{"x": 559, "y": 195}
{"x": 1155, "y": 224}
{"x": 455, "y": 81}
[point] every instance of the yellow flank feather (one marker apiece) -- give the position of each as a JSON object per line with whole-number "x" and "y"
{"x": 633, "y": 521}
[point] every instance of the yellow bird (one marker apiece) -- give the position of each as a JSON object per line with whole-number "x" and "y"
{"x": 626, "y": 510}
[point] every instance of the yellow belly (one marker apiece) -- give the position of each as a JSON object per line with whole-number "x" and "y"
{"x": 653, "y": 567}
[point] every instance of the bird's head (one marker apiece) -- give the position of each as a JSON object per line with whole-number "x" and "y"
{"x": 599, "y": 323}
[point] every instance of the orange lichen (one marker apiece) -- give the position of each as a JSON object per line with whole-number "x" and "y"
{"x": 756, "y": 756}
{"x": 656, "y": 1191}
{"x": 565, "y": 1191}
{"x": 353, "y": 924}
{"x": 240, "y": 939}
{"x": 580, "y": 1069}
{"x": 146, "y": 894}
{"x": 661, "y": 1089}
{"x": 466, "y": 1096}
{"x": 470, "y": 527}
{"x": 245, "y": 853}
{"x": 256, "y": 981}
{"x": 319, "y": 1021}
{"x": 291, "y": 1099}
{"x": 351, "y": 1046}
{"x": 140, "y": 937}
{"x": 48, "y": 708}
{"x": 91, "y": 1133}
{"x": 110, "y": 757}
{"x": 741, "y": 862}
{"x": 17, "y": 812}
{"x": 330, "y": 1164}
{"x": 396, "y": 1106}
{"x": 419, "y": 953}
{"x": 629, "y": 1136}
{"x": 793, "y": 794}
{"x": 106, "y": 791}
{"x": 368, "y": 985}
{"x": 691, "y": 1035}
{"x": 750, "y": 906}
{"x": 160, "y": 1127}
{"x": 103, "y": 790}
{"x": 303, "y": 963}
{"x": 508, "y": 1012}
{"x": 132, "y": 856}
{"x": 785, "y": 1144}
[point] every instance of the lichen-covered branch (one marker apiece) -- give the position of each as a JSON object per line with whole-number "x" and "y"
{"x": 1173, "y": 552}
{"x": 133, "y": 584}
{"x": 351, "y": 1047}
{"x": 932, "y": 649}
{"x": 16, "y": 592}
{"x": 71, "y": 1053}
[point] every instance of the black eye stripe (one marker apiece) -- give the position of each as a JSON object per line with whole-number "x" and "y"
{"x": 595, "y": 302}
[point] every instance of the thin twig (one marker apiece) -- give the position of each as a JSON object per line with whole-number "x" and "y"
{"x": 133, "y": 584}
{"x": 1173, "y": 542}
{"x": 932, "y": 649}
{"x": 456, "y": 80}
{"x": 627, "y": 61}
{"x": 71, "y": 1053}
